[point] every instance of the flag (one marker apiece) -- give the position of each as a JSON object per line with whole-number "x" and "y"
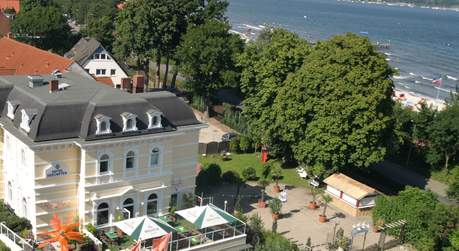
{"x": 136, "y": 247}
{"x": 437, "y": 81}
{"x": 161, "y": 244}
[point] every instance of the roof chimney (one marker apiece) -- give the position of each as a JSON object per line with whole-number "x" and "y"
{"x": 126, "y": 84}
{"x": 53, "y": 85}
{"x": 138, "y": 83}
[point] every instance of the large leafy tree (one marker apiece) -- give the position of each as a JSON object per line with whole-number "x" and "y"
{"x": 44, "y": 27}
{"x": 336, "y": 111}
{"x": 101, "y": 29}
{"x": 208, "y": 54}
{"x": 444, "y": 136}
{"x": 266, "y": 64}
{"x": 429, "y": 223}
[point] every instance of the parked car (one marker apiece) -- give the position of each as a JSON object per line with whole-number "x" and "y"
{"x": 229, "y": 136}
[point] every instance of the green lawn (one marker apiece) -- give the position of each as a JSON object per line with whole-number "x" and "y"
{"x": 240, "y": 161}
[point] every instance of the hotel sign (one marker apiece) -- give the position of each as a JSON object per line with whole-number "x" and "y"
{"x": 56, "y": 170}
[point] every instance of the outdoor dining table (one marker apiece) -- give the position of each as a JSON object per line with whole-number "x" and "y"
{"x": 112, "y": 235}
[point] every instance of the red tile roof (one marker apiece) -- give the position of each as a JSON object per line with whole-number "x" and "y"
{"x": 105, "y": 80}
{"x": 25, "y": 59}
{"x": 10, "y": 4}
{"x": 4, "y": 25}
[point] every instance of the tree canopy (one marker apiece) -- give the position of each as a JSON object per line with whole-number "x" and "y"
{"x": 44, "y": 27}
{"x": 101, "y": 29}
{"x": 265, "y": 65}
{"x": 336, "y": 110}
{"x": 429, "y": 223}
{"x": 208, "y": 58}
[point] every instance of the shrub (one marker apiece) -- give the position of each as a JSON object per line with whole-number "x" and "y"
{"x": 275, "y": 241}
{"x": 249, "y": 173}
{"x": 91, "y": 228}
{"x": 208, "y": 176}
{"x": 197, "y": 103}
{"x": 234, "y": 145}
{"x": 245, "y": 144}
{"x": 275, "y": 205}
{"x": 230, "y": 177}
{"x": 12, "y": 221}
{"x": 3, "y": 247}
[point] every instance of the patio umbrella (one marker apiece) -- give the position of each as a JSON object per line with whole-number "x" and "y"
{"x": 143, "y": 228}
{"x": 206, "y": 216}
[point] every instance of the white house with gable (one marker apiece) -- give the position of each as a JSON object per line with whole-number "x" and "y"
{"x": 97, "y": 61}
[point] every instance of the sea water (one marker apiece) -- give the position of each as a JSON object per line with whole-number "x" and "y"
{"x": 424, "y": 43}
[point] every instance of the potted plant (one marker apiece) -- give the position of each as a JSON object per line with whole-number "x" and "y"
{"x": 172, "y": 216}
{"x": 275, "y": 205}
{"x": 326, "y": 199}
{"x": 378, "y": 225}
{"x": 276, "y": 174}
{"x": 263, "y": 183}
{"x": 313, "y": 204}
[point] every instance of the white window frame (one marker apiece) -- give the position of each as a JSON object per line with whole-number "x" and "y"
{"x": 24, "y": 207}
{"x": 112, "y": 72}
{"x": 160, "y": 157}
{"x": 96, "y": 56}
{"x": 157, "y": 203}
{"x": 110, "y": 163}
{"x": 102, "y": 118}
{"x": 95, "y": 216}
{"x": 25, "y": 121}
{"x": 10, "y": 110}
{"x": 136, "y": 160}
{"x": 154, "y": 114}
{"x": 102, "y": 72}
{"x": 126, "y": 116}
{"x": 134, "y": 203}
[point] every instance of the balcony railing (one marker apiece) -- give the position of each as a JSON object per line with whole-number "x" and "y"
{"x": 4, "y": 230}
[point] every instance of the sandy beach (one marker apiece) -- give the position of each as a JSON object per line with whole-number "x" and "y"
{"x": 412, "y": 100}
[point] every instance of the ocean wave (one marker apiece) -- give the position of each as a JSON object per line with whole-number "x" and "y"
{"x": 412, "y": 74}
{"x": 401, "y": 77}
{"x": 451, "y": 77}
{"x": 253, "y": 27}
{"x": 426, "y": 78}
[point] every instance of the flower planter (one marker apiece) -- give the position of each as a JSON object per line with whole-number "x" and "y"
{"x": 276, "y": 216}
{"x": 261, "y": 203}
{"x": 276, "y": 189}
{"x": 322, "y": 218}
{"x": 312, "y": 205}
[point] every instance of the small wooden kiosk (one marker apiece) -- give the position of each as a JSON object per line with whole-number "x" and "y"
{"x": 349, "y": 195}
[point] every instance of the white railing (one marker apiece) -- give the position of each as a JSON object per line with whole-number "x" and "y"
{"x": 207, "y": 237}
{"x": 15, "y": 238}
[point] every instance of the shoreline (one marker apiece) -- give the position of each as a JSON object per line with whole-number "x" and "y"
{"x": 412, "y": 100}
{"x": 402, "y": 4}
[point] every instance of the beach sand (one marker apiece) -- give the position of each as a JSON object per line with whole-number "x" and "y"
{"x": 412, "y": 100}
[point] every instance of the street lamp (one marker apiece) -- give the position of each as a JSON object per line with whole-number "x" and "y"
{"x": 360, "y": 228}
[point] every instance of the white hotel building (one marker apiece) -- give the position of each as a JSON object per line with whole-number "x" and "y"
{"x": 72, "y": 146}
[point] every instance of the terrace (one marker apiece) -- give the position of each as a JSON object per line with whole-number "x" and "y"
{"x": 197, "y": 228}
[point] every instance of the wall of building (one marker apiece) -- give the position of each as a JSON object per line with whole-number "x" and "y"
{"x": 107, "y": 64}
{"x": 2, "y": 183}
{"x": 18, "y": 176}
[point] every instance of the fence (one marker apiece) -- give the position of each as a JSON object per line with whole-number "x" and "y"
{"x": 15, "y": 238}
{"x": 214, "y": 147}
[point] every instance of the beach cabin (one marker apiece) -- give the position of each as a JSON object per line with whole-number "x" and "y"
{"x": 349, "y": 195}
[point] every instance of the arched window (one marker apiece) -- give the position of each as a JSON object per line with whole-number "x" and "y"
{"x": 24, "y": 207}
{"x": 10, "y": 192}
{"x": 152, "y": 204}
{"x": 130, "y": 160}
{"x": 154, "y": 157}
{"x": 102, "y": 214}
{"x": 128, "y": 205}
{"x": 129, "y": 124}
{"x": 104, "y": 163}
{"x": 103, "y": 126}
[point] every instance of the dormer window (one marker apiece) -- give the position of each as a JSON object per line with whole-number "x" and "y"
{"x": 26, "y": 119}
{"x": 102, "y": 124}
{"x": 129, "y": 121}
{"x": 11, "y": 106}
{"x": 154, "y": 119}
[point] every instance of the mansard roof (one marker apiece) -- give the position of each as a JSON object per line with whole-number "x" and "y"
{"x": 70, "y": 112}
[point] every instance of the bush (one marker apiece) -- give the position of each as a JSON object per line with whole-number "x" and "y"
{"x": 3, "y": 247}
{"x": 234, "y": 119}
{"x": 234, "y": 145}
{"x": 91, "y": 228}
{"x": 275, "y": 241}
{"x": 249, "y": 173}
{"x": 198, "y": 103}
{"x": 208, "y": 176}
{"x": 429, "y": 222}
{"x": 11, "y": 220}
{"x": 230, "y": 177}
{"x": 245, "y": 144}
